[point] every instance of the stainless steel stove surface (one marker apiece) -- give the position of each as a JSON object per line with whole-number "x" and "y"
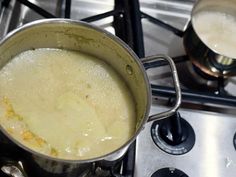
{"x": 213, "y": 153}
{"x": 207, "y": 145}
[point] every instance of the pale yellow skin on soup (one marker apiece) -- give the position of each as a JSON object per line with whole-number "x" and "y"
{"x": 65, "y": 104}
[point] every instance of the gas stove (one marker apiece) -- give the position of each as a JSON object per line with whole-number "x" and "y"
{"x": 200, "y": 139}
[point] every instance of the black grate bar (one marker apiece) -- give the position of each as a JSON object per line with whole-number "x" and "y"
{"x": 37, "y": 9}
{"x": 122, "y": 24}
{"x": 128, "y": 161}
{"x": 188, "y": 95}
{"x": 67, "y": 8}
{"x": 135, "y": 15}
{"x": 101, "y": 16}
{"x": 128, "y": 25}
{"x": 221, "y": 86}
{"x": 5, "y": 3}
{"x": 163, "y": 24}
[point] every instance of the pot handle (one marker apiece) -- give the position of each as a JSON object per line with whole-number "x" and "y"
{"x": 12, "y": 168}
{"x": 155, "y": 58}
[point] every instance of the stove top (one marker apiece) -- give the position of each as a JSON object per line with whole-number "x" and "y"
{"x": 212, "y": 153}
{"x": 202, "y": 140}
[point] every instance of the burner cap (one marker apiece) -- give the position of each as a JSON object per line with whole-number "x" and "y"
{"x": 169, "y": 172}
{"x": 173, "y": 142}
{"x": 193, "y": 78}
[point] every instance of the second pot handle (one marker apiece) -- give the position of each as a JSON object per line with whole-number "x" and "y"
{"x": 175, "y": 77}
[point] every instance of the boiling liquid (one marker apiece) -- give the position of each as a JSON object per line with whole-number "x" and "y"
{"x": 217, "y": 30}
{"x": 65, "y": 104}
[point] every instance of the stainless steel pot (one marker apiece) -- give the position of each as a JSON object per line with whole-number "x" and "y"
{"x": 73, "y": 35}
{"x": 208, "y": 60}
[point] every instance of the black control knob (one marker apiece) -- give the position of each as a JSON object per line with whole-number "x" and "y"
{"x": 173, "y": 135}
{"x": 173, "y": 131}
{"x": 169, "y": 172}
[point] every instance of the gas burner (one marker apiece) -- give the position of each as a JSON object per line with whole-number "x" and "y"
{"x": 169, "y": 172}
{"x": 194, "y": 78}
{"x": 173, "y": 135}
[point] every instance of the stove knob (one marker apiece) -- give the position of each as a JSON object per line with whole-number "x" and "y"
{"x": 173, "y": 131}
{"x": 169, "y": 172}
{"x": 173, "y": 135}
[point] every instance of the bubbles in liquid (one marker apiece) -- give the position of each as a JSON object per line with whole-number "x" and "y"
{"x": 65, "y": 104}
{"x": 217, "y": 31}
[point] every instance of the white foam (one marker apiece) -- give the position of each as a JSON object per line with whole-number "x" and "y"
{"x": 75, "y": 102}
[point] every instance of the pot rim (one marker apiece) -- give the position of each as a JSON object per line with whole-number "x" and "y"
{"x": 115, "y": 39}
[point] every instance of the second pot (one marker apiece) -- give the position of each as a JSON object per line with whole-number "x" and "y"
{"x": 205, "y": 58}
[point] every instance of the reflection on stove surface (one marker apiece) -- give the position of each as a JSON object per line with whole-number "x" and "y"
{"x": 211, "y": 155}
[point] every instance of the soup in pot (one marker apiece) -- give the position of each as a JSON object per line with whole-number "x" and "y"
{"x": 65, "y": 104}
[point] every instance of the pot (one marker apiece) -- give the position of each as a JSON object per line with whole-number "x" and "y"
{"x": 74, "y": 35}
{"x": 204, "y": 57}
